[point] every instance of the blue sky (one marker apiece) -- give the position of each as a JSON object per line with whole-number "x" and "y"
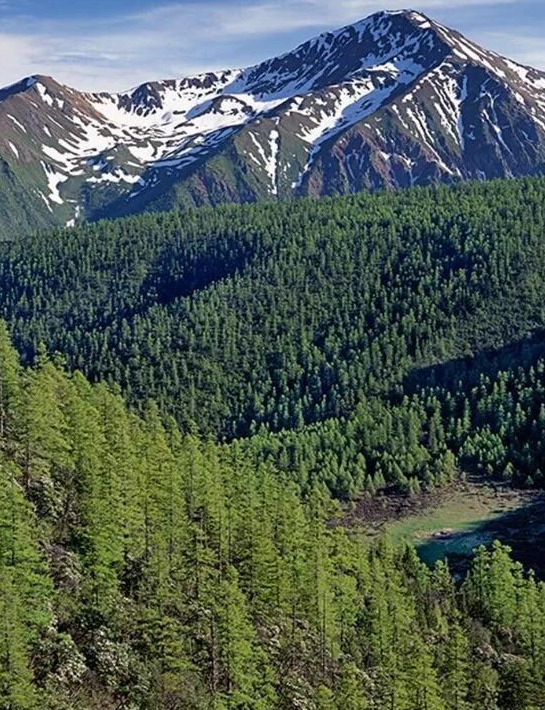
{"x": 115, "y": 44}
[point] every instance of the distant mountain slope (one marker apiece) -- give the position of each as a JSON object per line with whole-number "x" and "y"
{"x": 393, "y": 100}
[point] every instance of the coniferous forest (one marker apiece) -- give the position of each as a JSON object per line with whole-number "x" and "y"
{"x": 188, "y": 399}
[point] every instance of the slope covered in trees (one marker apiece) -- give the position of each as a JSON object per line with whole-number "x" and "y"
{"x": 142, "y": 568}
{"x": 484, "y": 414}
{"x": 311, "y": 326}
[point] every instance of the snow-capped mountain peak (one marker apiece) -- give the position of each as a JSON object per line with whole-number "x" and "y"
{"x": 394, "y": 99}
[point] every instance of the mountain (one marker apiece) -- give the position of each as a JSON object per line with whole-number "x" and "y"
{"x": 393, "y": 100}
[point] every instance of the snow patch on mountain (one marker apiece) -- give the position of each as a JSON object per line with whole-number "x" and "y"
{"x": 16, "y": 122}
{"x": 54, "y": 179}
{"x": 405, "y": 91}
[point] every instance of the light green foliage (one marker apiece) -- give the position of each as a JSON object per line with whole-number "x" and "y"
{"x": 183, "y": 575}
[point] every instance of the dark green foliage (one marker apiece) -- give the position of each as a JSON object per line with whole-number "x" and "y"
{"x": 245, "y": 320}
{"x": 491, "y": 421}
{"x": 282, "y": 314}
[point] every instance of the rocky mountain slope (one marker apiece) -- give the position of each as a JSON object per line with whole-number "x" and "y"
{"x": 393, "y": 100}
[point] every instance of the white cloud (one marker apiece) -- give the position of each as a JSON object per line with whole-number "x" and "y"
{"x": 243, "y": 19}
{"x": 18, "y": 54}
{"x": 525, "y": 49}
{"x": 186, "y": 38}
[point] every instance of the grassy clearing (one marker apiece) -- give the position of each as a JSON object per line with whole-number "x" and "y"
{"x": 464, "y": 510}
{"x": 453, "y": 521}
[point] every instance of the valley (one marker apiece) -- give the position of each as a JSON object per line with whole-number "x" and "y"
{"x": 272, "y": 381}
{"x": 191, "y": 399}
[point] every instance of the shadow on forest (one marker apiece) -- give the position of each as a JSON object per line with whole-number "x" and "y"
{"x": 523, "y": 529}
{"x": 465, "y": 372}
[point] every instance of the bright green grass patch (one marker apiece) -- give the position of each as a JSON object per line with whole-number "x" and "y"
{"x": 467, "y": 518}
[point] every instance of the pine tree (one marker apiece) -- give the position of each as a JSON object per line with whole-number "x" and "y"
{"x": 10, "y": 389}
{"x": 17, "y": 691}
{"x": 456, "y": 669}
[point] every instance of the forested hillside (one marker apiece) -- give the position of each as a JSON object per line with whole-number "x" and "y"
{"x": 479, "y": 417}
{"x": 142, "y": 568}
{"x": 359, "y": 341}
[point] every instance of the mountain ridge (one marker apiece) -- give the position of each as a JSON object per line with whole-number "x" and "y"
{"x": 393, "y": 100}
